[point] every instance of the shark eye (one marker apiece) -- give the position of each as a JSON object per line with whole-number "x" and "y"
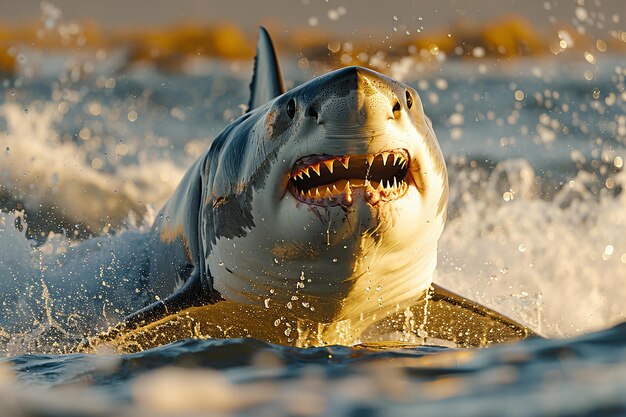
{"x": 409, "y": 100}
{"x": 291, "y": 108}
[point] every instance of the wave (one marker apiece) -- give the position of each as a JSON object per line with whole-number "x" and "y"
{"x": 62, "y": 183}
{"x": 554, "y": 263}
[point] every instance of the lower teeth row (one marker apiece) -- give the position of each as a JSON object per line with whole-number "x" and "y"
{"x": 343, "y": 186}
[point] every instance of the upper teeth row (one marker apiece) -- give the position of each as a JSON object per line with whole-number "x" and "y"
{"x": 398, "y": 159}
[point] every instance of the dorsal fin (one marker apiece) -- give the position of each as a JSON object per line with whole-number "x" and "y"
{"x": 267, "y": 82}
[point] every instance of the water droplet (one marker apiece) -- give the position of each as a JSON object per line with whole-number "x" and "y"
{"x": 26, "y": 111}
{"x": 276, "y": 261}
{"x": 595, "y": 93}
{"x": 277, "y": 322}
{"x": 334, "y": 260}
{"x": 12, "y": 93}
{"x": 168, "y": 218}
{"x": 504, "y": 270}
{"x": 267, "y": 302}
{"x": 7, "y": 149}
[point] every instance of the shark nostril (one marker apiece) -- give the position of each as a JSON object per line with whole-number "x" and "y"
{"x": 396, "y": 108}
{"x": 312, "y": 111}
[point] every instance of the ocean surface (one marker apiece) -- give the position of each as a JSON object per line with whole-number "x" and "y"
{"x": 535, "y": 149}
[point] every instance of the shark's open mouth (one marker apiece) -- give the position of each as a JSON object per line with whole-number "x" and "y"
{"x": 331, "y": 180}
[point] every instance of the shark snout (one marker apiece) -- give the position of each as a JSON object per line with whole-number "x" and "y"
{"x": 353, "y": 100}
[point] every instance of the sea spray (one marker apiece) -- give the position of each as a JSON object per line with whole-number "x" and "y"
{"x": 56, "y": 180}
{"x": 556, "y": 263}
{"x": 55, "y": 293}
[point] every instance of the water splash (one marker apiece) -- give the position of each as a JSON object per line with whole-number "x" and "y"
{"x": 42, "y": 172}
{"x": 556, "y": 263}
{"x": 54, "y": 293}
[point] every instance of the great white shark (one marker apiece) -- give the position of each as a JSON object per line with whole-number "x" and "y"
{"x": 324, "y": 203}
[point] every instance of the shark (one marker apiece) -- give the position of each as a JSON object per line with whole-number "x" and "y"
{"x": 320, "y": 205}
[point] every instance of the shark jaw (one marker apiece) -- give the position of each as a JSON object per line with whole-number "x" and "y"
{"x": 331, "y": 180}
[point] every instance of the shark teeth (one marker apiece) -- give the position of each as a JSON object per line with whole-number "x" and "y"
{"x": 385, "y": 157}
{"x": 316, "y": 169}
{"x": 331, "y": 180}
{"x": 329, "y": 164}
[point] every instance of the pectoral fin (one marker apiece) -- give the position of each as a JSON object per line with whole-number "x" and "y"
{"x": 442, "y": 317}
{"x": 450, "y": 316}
{"x": 191, "y": 294}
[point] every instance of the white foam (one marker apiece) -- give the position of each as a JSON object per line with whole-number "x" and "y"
{"x": 556, "y": 265}
{"x": 50, "y": 175}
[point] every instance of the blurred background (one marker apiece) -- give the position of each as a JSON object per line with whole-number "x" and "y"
{"x": 168, "y": 34}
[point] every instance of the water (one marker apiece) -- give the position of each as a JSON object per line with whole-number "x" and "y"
{"x": 535, "y": 152}
{"x": 584, "y": 376}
